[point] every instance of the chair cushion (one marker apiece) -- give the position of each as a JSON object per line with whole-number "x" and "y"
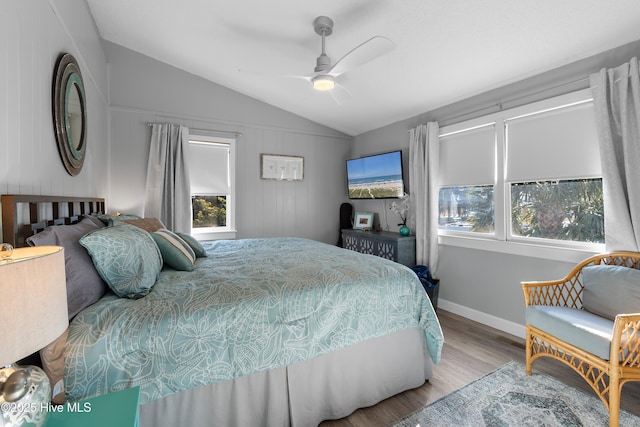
{"x": 610, "y": 290}
{"x": 581, "y": 328}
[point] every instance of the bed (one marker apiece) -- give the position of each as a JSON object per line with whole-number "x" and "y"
{"x": 278, "y": 332}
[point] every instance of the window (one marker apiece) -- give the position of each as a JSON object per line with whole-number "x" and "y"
{"x": 467, "y": 176}
{"x": 530, "y": 175}
{"x": 468, "y": 208}
{"x": 559, "y": 210}
{"x": 211, "y": 169}
{"x": 209, "y": 211}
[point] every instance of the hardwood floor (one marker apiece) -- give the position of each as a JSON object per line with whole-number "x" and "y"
{"x": 471, "y": 350}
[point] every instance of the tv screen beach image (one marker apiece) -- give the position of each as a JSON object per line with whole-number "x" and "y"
{"x": 375, "y": 177}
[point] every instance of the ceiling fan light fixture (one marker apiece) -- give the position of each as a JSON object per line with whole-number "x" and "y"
{"x": 323, "y": 82}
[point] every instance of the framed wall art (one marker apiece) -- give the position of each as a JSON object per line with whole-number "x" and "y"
{"x": 281, "y": 168}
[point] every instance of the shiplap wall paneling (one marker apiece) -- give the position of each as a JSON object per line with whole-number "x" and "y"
{"x": 32, "y": 35}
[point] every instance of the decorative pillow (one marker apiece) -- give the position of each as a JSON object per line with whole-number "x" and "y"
{"x": 175, "y": 251}
{"x": 95, "y": 220}
{"x": 109, "y": 219}
{"x": 610, "y": 290}
{"x": 147, "y": 224}
{"x": 195, "y": 245}
{"x": 126, "y": 257}
{"x": 84, "y": 285}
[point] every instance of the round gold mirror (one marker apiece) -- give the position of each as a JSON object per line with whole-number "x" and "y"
{"x": 69, "y": 113}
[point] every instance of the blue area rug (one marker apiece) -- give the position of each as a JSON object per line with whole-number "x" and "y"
{"x": 508, "y": 397}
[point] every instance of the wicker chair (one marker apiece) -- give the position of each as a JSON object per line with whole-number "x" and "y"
{"x": 606, "y": 377}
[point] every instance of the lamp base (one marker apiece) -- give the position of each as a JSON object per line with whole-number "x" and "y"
{"x": 25, "y": 397}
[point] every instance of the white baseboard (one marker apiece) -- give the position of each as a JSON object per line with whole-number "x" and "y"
{"x": 484, "y": 318}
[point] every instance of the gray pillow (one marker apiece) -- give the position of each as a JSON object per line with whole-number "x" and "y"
{"x": 126, "y": 257}
{"x": 110, "y": 219}
{"x": 610, "y": 290}
{"x": 84, "y": 284}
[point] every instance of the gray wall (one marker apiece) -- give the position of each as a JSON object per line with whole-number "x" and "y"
{"x": 143, "y": 90}
{"x": 33, "y": 34}
{"x": 475, "y": 282}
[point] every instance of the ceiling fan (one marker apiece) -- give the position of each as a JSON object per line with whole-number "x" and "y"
{"x": 325, "y": 74}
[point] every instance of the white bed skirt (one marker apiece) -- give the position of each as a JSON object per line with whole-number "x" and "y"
{"x": 330, "y": 386}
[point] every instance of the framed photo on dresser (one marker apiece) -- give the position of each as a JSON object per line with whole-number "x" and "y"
{"x": 363, "y": 221}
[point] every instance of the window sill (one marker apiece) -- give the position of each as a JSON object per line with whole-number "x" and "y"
{"x": 535, "y": 250}
{"x": 211, "y": 234}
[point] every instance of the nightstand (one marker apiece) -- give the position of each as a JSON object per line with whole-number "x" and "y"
{"x": 114, "y": 409}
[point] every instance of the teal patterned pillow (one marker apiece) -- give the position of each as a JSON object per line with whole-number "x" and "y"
{"x": 195, "y": 245}
{"x": 126, "y": 257}
{"x": 175, "y": 251}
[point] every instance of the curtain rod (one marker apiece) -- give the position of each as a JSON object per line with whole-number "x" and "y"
{"x": 205, "y": 130}
{"x": 500, "y": 105}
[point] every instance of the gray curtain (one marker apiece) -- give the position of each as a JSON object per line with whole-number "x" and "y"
{"x": 616, "y": 94}
{"x": 423, "y": 161}
{"x": 167, "y": 194}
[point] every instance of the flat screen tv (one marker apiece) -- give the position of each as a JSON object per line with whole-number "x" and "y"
{"x": 376, "y": 177}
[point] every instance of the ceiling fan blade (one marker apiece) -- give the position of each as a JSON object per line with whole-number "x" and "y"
{"x": 365, "y": 52}
{"x": 339, "y": 94}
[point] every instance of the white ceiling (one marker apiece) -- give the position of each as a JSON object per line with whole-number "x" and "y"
{"x": 446, "y": 50}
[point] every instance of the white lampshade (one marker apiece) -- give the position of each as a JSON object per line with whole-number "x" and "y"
{"x": 33, "y": 301}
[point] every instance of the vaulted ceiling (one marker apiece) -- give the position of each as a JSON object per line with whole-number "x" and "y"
{"x": 445, "y": 50}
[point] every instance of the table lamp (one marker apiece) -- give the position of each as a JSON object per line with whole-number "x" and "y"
{"x": 33, "y": 313}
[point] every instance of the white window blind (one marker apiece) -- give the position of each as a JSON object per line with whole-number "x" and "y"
{"x": 468, "y": 157}
{"x": 558, "y": 144}
{"x": 209, "y": 168}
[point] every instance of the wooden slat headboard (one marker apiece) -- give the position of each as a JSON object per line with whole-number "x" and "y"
{"x": 60, "y": 210}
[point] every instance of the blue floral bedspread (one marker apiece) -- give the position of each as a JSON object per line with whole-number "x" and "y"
{"x": 250, "y": 306}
